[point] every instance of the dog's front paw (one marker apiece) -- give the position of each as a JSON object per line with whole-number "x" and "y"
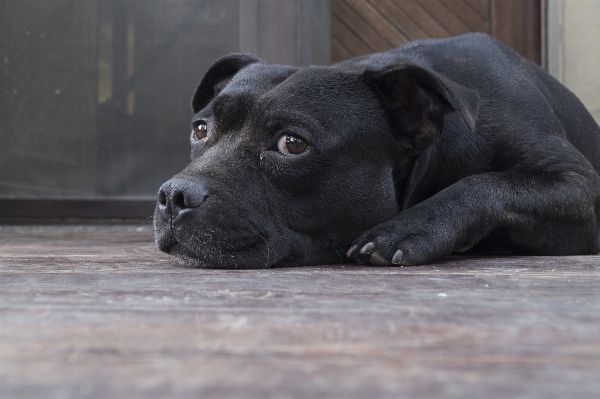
{"x": 404, "y": 241}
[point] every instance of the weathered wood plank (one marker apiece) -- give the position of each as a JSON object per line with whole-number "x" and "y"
{"x": 400, "y": 19}
{"x": 445, "y": 17}
{"x": 339, "y": 52}
{"x": 474, "y": 21}
{"x": 356, "y": 23}
{"x": 517, "y": 23}
{"x": 98, "y": 312}
{"x": 481, "y": 6}
{"x": 352, "y": 42}
{"x": 424, "y": 18}
{"x": 374, "y": 18}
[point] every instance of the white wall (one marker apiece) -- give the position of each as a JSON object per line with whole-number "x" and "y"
{"x": 573, "y": 48}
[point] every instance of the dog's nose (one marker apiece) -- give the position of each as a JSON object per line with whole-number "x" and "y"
{"x": 178, "y": 195}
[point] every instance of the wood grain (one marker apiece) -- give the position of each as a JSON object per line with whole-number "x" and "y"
{"x": 98, "y": 312}
{"x": 351, "y": 41}
{"x": 445, "y": 16}
{"x": 400, "y": 18}
{"x": 474, "y": 21}
{"x": 515, "y": 22}
{"x": 481, "y": 6}
{"x": 422, "y": 16}
{"x": 373, "y": 17}
{"x": 361, "y": 27}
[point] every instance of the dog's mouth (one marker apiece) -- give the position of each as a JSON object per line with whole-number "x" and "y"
{"x": 230, "y": 246}
{"x": 206, "y": 250}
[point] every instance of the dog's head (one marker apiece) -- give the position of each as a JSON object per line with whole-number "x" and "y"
{"x": 289, "y": 165}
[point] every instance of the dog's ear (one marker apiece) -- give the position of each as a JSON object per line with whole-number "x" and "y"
{"x": 217, "y": 77}
{"x": 417, "y": 100}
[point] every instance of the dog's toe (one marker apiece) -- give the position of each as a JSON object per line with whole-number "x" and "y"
{"x": 377, "y": 259}
{"x": 369, "y": 253}
{"x": 367, "y": 248}
{"x": 351, "y": 251}
{"x": 398, "y": 257}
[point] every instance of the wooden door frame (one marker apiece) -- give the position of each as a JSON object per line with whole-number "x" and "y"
{"x": 518, "y": 23}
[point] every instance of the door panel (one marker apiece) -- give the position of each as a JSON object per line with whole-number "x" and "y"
{"x": 365, "y": 26}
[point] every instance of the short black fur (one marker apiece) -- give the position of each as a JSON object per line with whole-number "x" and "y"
{"x": 437, "y": 147}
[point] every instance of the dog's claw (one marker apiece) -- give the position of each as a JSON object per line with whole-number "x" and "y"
{"x": 351, "y": 250}
{"x": 367, "y": 248}
{"x": 376, "y": 259}
{"x": 398, "y": 257}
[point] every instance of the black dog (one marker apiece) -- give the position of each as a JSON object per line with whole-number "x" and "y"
{"x": 403, "y": 156}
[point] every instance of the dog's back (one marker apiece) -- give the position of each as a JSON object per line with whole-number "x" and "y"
{"x": 495, "y": 71}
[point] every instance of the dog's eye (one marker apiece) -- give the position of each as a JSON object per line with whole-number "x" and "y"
{"x": 200, "y": 131}
{"x": 289, "y": 144}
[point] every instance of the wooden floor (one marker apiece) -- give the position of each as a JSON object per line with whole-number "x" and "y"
{"x": 98, "y": 312}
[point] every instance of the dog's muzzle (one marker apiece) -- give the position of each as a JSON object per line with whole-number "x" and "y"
{"x": 179, "y": 199}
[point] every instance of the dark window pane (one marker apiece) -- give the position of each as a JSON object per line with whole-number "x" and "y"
{"x": 94, "y": 94}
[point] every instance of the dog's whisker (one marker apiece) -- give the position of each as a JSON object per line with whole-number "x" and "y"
{"x": 338, "y": 250}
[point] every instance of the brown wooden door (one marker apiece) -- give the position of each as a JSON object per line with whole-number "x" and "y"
{"x": 366, "y": 26}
